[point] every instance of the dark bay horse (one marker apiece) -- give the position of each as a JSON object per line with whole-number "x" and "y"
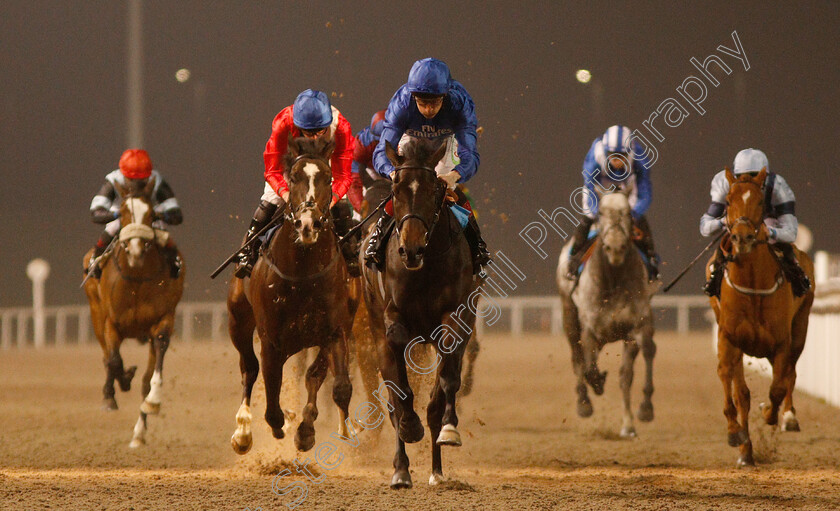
{"x": 297, "y": 298}
{"x": 135, "y": 297}
{"x": 610, "y": 303}
{"x": 416, "y": 300}
{"x": 757, "y": 314}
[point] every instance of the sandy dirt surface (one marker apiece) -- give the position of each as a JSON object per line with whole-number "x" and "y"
{"x": 524, "y": 447}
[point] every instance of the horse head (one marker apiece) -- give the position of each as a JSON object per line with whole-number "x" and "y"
{"x": 309, "y": 177}
{"x": 745, "y": 212}
{"x": 615, "y": 225}
{"x": 417, "y": 196}
{"x": 136, "y": 216}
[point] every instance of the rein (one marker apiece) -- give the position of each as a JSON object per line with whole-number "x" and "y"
{"x": 293, "y": 278}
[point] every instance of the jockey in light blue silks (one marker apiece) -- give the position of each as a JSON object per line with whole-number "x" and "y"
{"x": 606, "y": 166}
{"x": 779, "y": 218}
{"x": 431, "y": 105}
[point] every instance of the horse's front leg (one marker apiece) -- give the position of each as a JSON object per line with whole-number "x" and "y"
{"x": 315, "y": 376}
{"x": 273, "y": 359}
{"x": 151, "y": 401}
{"x": 571, "y": 325}
{"x": 631, "y": 350}
{"x": 782, "y": 369}
{"x": 342, "y": 388}
{"x": 648, "y": 352}
{"x": 114, "y": 370}
{"x": 591, "y": 348}
{"x": 392, "y": 367}
{"x": 241, "y": 325}
{"x": 730, "y": 365}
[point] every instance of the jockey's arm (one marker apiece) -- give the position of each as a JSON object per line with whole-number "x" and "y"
{"x": 466, "y": 136}
{"x": 644, "y": 190}
{"x": 784, "y": 226}
{"x": 396, "y": 120}
{"x": 100, "y": 206}
{"x": 591, "y": 171}
{"x": 167, "y": 207}
{"x": 712, "y": 220}
{"x": 342, "y": 160}
{"x": 275, "y": 149}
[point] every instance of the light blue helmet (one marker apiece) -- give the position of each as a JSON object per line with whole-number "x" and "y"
{"x": 429, "y": 76}
{"x": 312, "y": 110}
{"x": 616, "y": 139}
{"x": 750, "y": 160}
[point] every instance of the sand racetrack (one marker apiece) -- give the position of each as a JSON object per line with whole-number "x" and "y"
{"x": 524, "y": 447}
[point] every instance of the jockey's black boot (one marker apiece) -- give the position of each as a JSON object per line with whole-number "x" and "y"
{"x": 645, "y": 244}
{"x": 578, "y": 240}
{"x": 343, "y": 221}
{"x": 248, "y": 255}
{"x": 173, "y": 259}
{"x": 481, "y": 257}
{"x": 799, "y": 282}
{"x": 712, "y": 286}
{"x": 378, "y": 242}
{"x": 94, "y": 269}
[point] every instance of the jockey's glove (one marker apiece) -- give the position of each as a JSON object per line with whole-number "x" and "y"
{"x": 451, "y": 178}
{"x": 103, "y": 215}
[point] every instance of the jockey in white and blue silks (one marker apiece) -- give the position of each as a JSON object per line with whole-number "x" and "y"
{"x": 431, "y": 105}
{"x": 779, "y": 218}
{"x": 606, "y": 168}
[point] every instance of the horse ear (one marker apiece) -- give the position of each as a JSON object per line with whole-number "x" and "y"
{"x": 150, "y": 187}
{"x": 121, "y": 189}
{"x": 440, "y": 152}
{"x": 729, "y": 175}
{"x": 391, "y": 153}
{"x": 293, "y": 146}
{"x": 759, "y": 179}
{"x": 327, "y": 149}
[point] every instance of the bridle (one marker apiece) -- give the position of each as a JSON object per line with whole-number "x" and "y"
{"x": 429, "y": 226}
{"x": 297, "y": 210}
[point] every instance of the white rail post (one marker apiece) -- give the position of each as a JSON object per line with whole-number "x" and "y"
{"x": 60, "y": 327}
{"x": 22, "y": 318}
{"x": 683, "y": 325}
{"x": 217, "y": 323}
{"x": 821, "y": 266}
{"x": 516, "y": 318}
{"x": 38, "y": 270}
{"x": 84, "y": 327}
{"x": 6, "y": 335}
{"x": 187, "y": 323}
{"x": 556, "y": 318}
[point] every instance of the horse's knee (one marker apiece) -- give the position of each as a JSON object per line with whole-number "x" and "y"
{"x": 648, "y": 349}
{"x": 342, "y": 391}
{"x": 777, "y": 393}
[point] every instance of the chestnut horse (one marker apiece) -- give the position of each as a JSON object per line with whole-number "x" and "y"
{"x": 297, "y": 298}
{"x": 757, "y": 314}
{"x": 135, "y": 297}
{"x": 427, "y": 280}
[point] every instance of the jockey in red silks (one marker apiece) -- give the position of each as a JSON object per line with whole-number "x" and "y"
{"x": 375, "y": 187}
{"x": 310, "y": 116}
{"x": 135, "y": 168}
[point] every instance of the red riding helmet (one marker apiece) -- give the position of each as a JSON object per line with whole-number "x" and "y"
{"x": 135, "y": 164}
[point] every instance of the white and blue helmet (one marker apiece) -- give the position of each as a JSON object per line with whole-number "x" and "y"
{"x": 616, "y": 139}
{"x": 750, "y": 160}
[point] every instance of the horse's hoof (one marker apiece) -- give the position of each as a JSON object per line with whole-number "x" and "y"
{"x": 738, "y": 438}
{"x": 770, "y": 418}
{"x": 584, "y": 409}
{"x": 401, "y": 479}
{"x": 411, "y": 429}
{"x": 596, "y": 380}
{"x": 628, "y": 432}
{"x": 645, "y": 412}
{"x": 150, "y": 408}
{"x": 136, "y": 442}
{"x": 789, "y": 422}
{"x": 109, "y": 404}
{"x": 449, "y": 436}
{"x": 436, "y": 478}
{"x": 745, "y": 461}
{"x": 241, "y": 443}
{"x": 125, "y": 380}
{"x": 304, "y": 438}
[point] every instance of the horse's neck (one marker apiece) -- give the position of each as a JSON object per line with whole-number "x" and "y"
{"x": 758, "y": 269}
{"x": 612, "y": 277}
{"x": 151, "y": 264}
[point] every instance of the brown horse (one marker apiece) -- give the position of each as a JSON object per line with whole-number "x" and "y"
{"x": 297, "y": 298}
{"x": 420, "y": 299}
{"x": 757, "y": 314}
{"x": 135, "y": 297}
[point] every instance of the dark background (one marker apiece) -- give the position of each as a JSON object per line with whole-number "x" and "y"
{"x": 63, "y": 110}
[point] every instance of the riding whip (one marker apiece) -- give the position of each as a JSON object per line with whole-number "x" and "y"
{"x": 277, "y": 216}
{"x": 692, "y": 263}
{"x": 361, "y": 224}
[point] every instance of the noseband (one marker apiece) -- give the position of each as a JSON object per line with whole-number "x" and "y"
{"x": 438, "y": 208}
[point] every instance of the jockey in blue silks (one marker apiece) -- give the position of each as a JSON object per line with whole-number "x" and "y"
{"x": 606, "y": 167}
{"x": 779, "y": 218}
{"x": 431, "y": 105}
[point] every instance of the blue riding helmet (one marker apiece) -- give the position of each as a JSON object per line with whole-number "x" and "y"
{"x": 312, "y": 110}
{"x": 616, "y": 139}
{"x": 429, "y": 76}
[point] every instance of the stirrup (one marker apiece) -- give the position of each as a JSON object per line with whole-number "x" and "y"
{"x": 245, "y": 264}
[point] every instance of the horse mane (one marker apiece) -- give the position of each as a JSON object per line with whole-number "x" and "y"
{"x": 420, "y": 150}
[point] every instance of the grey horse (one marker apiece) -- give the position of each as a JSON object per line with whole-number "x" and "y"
{"x": 610, "y": 302}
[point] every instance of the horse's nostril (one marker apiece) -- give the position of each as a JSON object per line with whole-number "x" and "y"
{"x": 316, "y": 224}
{"x": 298, "y": 223}
{"x": 402, "y": 251}
{"x": 420, "y": 251}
